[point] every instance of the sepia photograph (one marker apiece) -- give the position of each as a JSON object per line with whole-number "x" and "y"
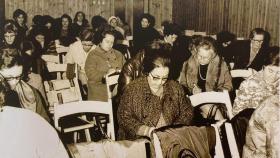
{"x": 139, "y": 79}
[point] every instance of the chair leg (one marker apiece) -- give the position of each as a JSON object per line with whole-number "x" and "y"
{"x": 75, "y": 137}
{"x": 87, "y": 133}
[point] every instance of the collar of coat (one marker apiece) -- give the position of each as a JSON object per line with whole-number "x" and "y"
{"x": 107, "y": 55}
{"x": 211, "y": 75}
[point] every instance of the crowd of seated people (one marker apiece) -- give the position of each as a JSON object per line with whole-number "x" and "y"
{"x": 154, "y": 83}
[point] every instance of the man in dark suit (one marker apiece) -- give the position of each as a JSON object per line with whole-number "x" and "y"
{"x": 253, "y": 52}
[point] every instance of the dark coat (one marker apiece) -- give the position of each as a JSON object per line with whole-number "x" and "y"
{"x": 144, "y": 36}
{"x": 242, "y": 56}
{"x": 131, "y": 70}
{"x": 138, "y": 106}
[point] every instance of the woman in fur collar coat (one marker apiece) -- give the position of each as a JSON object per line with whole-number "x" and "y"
{"x": 205, "y": 70}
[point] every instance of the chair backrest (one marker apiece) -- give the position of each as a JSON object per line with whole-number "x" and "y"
{"x": 111, "y": 83}
{"x": 85, "y": 107}
{"x": 157, "y": 146}
{"x": 213, "y": 97}
{"x": 240, "y": 73}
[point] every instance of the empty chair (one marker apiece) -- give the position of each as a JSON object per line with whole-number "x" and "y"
{"x": 226, "y": 130}
{"x": 244, "y": 73}
{"x": 213, "y": 97}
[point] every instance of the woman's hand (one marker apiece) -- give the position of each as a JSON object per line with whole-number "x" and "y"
{"x": 196, "y": 89}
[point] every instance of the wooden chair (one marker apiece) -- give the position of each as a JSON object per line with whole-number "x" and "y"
{"x": 219, "y": 97}
{"x": 241, "y": 73}
{"x": 112, "y": 84}
{"x": 82, "y": 107}
{"x": 213, "y": 97}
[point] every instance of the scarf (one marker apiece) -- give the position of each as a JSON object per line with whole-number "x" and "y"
{"x": 26, "y": 96}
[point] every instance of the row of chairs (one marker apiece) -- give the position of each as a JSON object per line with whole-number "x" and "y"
{"x": 64, "y": 108}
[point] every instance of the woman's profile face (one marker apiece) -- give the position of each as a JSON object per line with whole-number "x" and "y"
{"x": 107, "y": 42}
{"x": 158, "y": 77}
{"x": 10, "y": 37}
{"x": 204, "y": 55}
{"x": 271, "y": 73}
{"x": 12, "y": 75}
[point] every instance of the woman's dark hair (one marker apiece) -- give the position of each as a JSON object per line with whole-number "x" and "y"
{"x": 25, "y": 46}
{"x": 85, "y": 21}
{"x": 86, "y": 34}
{"x": 47, "y": 19}
{"x": 225, "y": 36}
{"x": 37, "y": 20}
{"x": 102, "y": 32}
{"x": 97, "y": 22}
{"x": 171, "y": 28}
{"x": 38, "y": 30}
{"x": 156, "y": 51}
{"x": 67, "y": 17}
{"x": 19, "y": 12}
{"x": 150, "y": 18}
{"x": 273, "y": 56}
{"x": 10, "y": 57}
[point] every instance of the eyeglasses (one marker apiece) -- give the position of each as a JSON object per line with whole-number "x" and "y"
{"x": 12, "y": 78}
{"x": 155, "y": 78}
{"x": 89, "y": 44}
{"x": 257, "y": 41}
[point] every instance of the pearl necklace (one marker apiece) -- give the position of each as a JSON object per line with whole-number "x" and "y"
{"x": 200, "y": 74}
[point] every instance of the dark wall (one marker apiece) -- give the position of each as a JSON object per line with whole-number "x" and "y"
{"x": 2, "y": 14}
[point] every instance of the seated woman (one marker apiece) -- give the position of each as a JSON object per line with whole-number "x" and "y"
{"x": 263, "y": 133}
{"x": 64, "y": 34}
{"x": 22, "y": 94}
{"x": 133, "y": 68}
{"x": 80, "y": 23}
{"x": 152, "y": 101}
{"x": 101, "y": 61}
{"x": 10, "y": 32}
{"x": 20, "y": 18}
{"x": 259, "y": 86}
{"x": 205, "y": 71}
{"x": 78, "y": 52}
{"x": 24, "y": 133}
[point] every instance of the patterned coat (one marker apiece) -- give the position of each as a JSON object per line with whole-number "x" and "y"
{"x": 138, "y": 106}
{"x": 188, "y": 76}
{"x": 252, "y": 92}
{"x": 263, "y": 133}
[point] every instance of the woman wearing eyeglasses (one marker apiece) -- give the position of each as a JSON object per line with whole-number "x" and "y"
{"x": 152, "y": 101}
{"x": 22, "y": 94}
{"x": 205, "y": 71}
